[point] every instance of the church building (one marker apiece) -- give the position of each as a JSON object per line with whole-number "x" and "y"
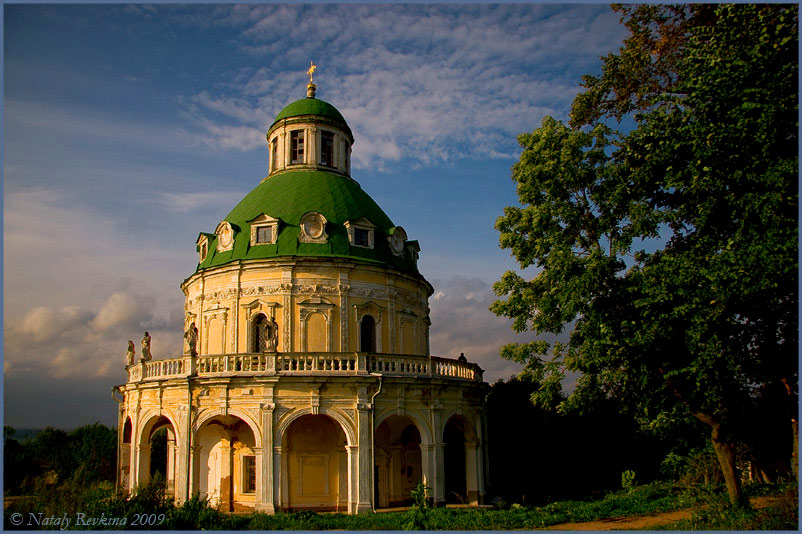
{"x": 306, "y": 380}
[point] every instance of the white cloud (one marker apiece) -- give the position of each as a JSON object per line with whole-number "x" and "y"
{"x": 73, "y": 342}
{"x": 43, "y": 325}
{"x": 463, "y": 323}
{"x": 121, "y": 309}
{"x": 187, "y": 202}
{"x": 430, "y": 83}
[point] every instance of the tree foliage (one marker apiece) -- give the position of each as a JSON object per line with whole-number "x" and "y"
{"x": 670, "y": 251}
{"x": 85, "y": 455}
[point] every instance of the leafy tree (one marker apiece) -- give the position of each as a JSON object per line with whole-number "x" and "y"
{"x": 670, "y": 251}
{"x": 94, "y": 448}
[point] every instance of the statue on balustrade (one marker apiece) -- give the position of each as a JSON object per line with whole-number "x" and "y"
{"x": 271, "y": 336}
{"x": 191, "y": 336}
{"x": 146, "y": 356}
{"x": 129, "y": 358}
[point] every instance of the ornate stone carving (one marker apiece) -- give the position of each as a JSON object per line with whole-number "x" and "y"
{"x": 271, "y": 289}
{"x": 281, "y": 411}
{"x": 313, "y": 228}
{"x": 129, "y": 357}
{"x": 368, "y": 292}
{"x": 316, "y": 289}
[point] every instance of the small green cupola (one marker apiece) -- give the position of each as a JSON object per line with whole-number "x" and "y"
{"x": 310, "y": 134}
{"x": 308, "y": 205}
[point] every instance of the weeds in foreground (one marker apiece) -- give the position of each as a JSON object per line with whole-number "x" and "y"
{"x": 196, "y": 514}
{"x": 715, "y": 512}
{"x": 416, "y": 517}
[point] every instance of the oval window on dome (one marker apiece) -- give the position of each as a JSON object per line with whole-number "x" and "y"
{"x": 313, "y": 228}
{"x": 225, "y": 236}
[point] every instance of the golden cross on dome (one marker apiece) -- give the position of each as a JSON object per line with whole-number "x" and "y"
{"x": 311, "y": 70}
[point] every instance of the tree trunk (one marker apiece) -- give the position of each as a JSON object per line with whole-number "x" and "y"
{"x": 725, "y": 452}
{"x": 794, "y": 428}
{"x": 795, "y": 453}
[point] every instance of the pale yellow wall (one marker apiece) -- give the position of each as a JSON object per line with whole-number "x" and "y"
{"x": 316, "y": 332}
{"x": 290, "y": 290}
{"x": 315, "y": 445}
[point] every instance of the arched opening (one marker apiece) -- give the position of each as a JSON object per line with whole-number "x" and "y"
{"x": 225, "y": 467}
{"x": 397, "y": 461}
{"x": 316, "y": 465}
{"x": 259, "y": 333}
{"x": 125, "y": 457}
{"x": 462, "y": 461}
{"x": 367, "y": 334}
{"x": 157, "y": 454}
{"x": 454, "y": 464}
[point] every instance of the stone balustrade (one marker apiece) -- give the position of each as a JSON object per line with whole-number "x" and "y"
{"x": 303, "y": 363}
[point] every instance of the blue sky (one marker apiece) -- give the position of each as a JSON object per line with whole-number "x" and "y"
{"x": 128, "y": 129}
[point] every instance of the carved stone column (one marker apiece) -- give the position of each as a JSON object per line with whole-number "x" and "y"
{"x": 194, "y": 481}
{"x": 365, "y": 469}
{"x": 353, "y": 478}
{"x": 427, "y": 467}
{"x": 472, "y": 471}
{"x": 343, "y": 288}
{"x": 280, "y": 478}
{"x": 264, "y": 499}
{"x": 226, "y": 472}
{"x": 133, "y": 471}
{"x": 286, "y": 292}
{"x": 438, "y": 481}
{"x": 170, "y": 475}
{"x": 143, "y": 465}
{"x": 311, "y": 138}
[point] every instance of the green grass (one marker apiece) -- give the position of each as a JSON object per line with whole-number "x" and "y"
{"x": 715, "y": 513}
{"x": 195, "y": 515}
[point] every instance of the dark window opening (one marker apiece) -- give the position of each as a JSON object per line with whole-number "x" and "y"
{"x": 259, "y": 339}
{"x": 249, "y": 474}
{"x": 264, "y": 234}
{"x": 297, "y": 143}
{"x": 367, "y": 334}
{"x": 327, "y": 149}
{"x": 361, "y": 237}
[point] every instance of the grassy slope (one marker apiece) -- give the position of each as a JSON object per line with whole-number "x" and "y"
{"x": 656, "y": 497}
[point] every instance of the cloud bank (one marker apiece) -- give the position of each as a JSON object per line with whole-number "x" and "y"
{"x": 428, "y": 83}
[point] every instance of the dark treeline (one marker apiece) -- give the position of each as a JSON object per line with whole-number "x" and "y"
{"x": 537, "y": 456}
{"x": 51, "y": 457}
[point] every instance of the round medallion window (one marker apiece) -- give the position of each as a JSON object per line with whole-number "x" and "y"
{"x": 397, "y": 243}
{"x": 313, "y": 228}
{"x": 225, "y": 236}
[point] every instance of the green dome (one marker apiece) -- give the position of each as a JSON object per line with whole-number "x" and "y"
{"x": 311, "y": 106}
{"x": 287, "y": 196}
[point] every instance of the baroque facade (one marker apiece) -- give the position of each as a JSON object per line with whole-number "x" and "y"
{"x": 306, "y": 380}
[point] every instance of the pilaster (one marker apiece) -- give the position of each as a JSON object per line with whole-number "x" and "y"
{"x": 365, "y": 470}
{"x": 438, "y": 482}
{"x": 264, "y": 497}
{"x": 353, "y": 478}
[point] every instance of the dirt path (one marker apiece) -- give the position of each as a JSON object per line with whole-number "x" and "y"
{"x": 641, "y": 522}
